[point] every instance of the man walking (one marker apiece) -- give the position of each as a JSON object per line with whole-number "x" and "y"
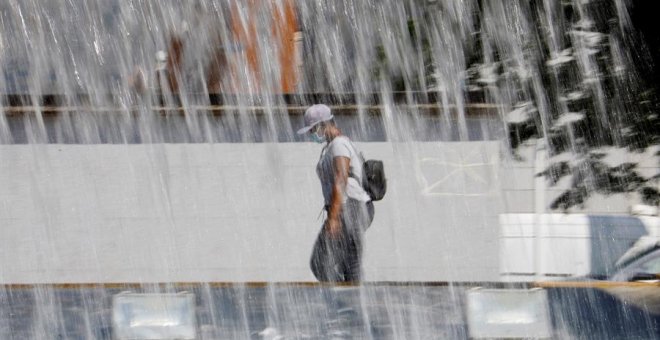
{"x": 337, "y": 253}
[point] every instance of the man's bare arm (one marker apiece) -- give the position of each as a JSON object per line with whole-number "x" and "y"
{"x": 341, "y": 167}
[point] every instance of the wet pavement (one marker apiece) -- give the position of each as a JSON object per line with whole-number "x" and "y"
{"x": 311, "y": 311}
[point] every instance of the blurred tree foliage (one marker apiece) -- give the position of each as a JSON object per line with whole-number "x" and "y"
{"x": 615, "y": 104}
{"x": 579, "y": 75}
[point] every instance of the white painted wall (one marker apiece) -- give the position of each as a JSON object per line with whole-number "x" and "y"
{"x": 519, "y": 176}
{"x": 236, "y": 212}
{"x": 250, "y": 212}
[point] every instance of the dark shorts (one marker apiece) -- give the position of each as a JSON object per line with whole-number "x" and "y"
{"x": 340, "y": 259}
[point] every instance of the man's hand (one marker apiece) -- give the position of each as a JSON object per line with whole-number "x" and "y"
{"x": 333, "y": 228}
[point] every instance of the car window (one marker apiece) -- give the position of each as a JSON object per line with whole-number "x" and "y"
{"x": 647, "y": 264}
{"x": 651, "y": 266}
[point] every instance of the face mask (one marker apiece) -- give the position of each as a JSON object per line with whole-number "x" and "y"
{"x": 319, "y": 139}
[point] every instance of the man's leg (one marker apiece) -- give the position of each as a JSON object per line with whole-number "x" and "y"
{"x": 352, "y": 264}
{"x": 337, "y": 260}
{"x": 356, "y": 220}
{"x": 340, "y": 260}
{"x": 324, "y": 262}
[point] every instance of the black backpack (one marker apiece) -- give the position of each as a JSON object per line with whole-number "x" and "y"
{"x": 373, "y": 177}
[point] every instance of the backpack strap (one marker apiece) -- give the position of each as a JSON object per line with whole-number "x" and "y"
{"x": 323, "y": 151}
{"x": 361, "y": 157}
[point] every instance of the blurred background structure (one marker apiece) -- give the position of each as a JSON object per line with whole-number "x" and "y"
{"x": 152, "y": 142}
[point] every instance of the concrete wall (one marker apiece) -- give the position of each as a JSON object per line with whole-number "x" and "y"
{"x": 236, "y": 212}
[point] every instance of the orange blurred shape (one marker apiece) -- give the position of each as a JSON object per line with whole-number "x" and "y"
{"x": 283, "y": 28}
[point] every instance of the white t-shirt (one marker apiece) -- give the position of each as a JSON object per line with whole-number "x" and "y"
{"x": 341, "y": 146}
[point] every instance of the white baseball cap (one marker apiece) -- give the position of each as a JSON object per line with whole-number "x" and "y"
{"x": 314, "y": 115}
